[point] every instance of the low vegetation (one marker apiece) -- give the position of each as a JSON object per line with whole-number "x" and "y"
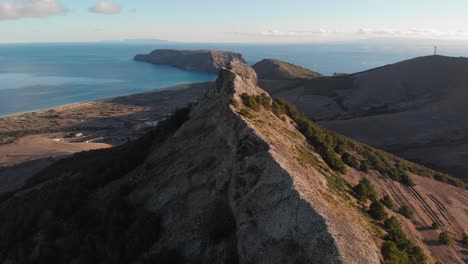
{"x": 254, "y": 102}
{"x": 388, "y": 202}
{"x": 332, "y": 147}
{"x": 377, "y": 211}
{"x": 465, "y": 239}
{"x": 435, "y": 225}
{"x": 406, "y": 211}
{"x": 445, "y": 239}
{"x": 364, "y": 190}
{"x": 397, "y": 248}
{"x": 111, "y": 229}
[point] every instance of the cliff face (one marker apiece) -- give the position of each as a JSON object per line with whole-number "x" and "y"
{"x": 257, "y": 202}
{"x": 209, "y": 61}
{"x": 217, "y": 184}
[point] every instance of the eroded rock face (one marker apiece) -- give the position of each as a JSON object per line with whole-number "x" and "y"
{"x": 225, "y": 198}
{"x": 210, "y": 61}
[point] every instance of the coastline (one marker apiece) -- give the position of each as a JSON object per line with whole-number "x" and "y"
{"x": 77, "y": 104}
{"x": 31, "y": 140}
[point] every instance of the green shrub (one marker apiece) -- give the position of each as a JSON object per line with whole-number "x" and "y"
{"x": 435, "y": 225}
{"x": 465, "y": 239}
{"x": 440, "y": 177}
{"x": 233, "y": 102}
{"x": 387, "y": 201}
{"x": 326, "y": 142}
{"x": 245, "y": 113}
{"x": 406, "y": 179}
{"x": 404, "y": 246}
{"x": 406, "y": 211}
{"x": 350, "y": 160}
{"x": 392, "y": 254}
{"x": 322, "y": 140}
{"x": 377, "y": 211}
{"x": 364, "y": 166}
{"x": 250, "y": 101}
{"x": 445, "y": 238}
{"x": 364, "y": 190}
{"x": 255, "y": 101}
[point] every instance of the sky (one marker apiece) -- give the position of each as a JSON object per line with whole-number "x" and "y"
{"x": 289, "y": 21}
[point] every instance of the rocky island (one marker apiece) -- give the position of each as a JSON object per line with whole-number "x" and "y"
{"x": 209, "y": 61}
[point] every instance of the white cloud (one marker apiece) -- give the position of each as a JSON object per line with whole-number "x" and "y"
{"x": 105, "y": 7}
{"x": 288, "y": 33}
{"x": 413, "y": 33}
{"x": 11, "y": 10}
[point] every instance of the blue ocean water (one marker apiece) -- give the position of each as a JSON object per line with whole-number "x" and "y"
{"x": 37, "y": 76}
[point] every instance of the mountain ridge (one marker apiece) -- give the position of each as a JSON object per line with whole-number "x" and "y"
{"x": 232, "y": 179}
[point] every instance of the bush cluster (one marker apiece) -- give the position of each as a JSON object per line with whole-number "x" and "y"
{"x": 445, "y": 239}
{"x": 397, "y": 248}
{"x": 351, "y": 161}
{"x": 255, "y": 101}
{"x": 364, "y": 190}
{"x": 406, "y": 211}
{"x": 387, "y": 201}
{"x": 332, "y": 144}
{"x": 322, "y": 141}
{"x": 377, "y": 211}
{"x": 465, "y": 239}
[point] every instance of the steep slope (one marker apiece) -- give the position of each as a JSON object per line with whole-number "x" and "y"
{"x": 414, "y": 108}
{"x": 210, "y": 61}
{"x": 236, "y": 178}
{"x": 271, "y": 69}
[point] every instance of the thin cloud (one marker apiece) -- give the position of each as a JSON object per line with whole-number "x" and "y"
{"x": 289, "y": 33}
{"x": 413, "y": 33}
{"x": 105, "y": 7}
{"x": 12, "y": 10}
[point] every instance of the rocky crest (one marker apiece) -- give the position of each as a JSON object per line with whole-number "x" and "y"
{"x": 209, "y": 61}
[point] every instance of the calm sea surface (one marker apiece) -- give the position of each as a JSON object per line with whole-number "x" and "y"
{"x": 37, "y": 76}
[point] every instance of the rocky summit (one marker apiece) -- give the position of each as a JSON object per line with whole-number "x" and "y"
{"x": 235, "y": 178}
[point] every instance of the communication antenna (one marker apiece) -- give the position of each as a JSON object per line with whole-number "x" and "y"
{"x": 435, "y": 50}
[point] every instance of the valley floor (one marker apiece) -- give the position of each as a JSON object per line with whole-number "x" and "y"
{"x": 30, "y": 141}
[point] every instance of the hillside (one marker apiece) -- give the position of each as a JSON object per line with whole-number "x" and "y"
{"x": 235, "y": 178}
{"x": 209, "y": 61}
{"x": 414, "y": 108}
{"x": 271, "y": 69}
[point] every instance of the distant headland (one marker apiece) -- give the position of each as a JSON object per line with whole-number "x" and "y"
{"x": 209, "y": 61}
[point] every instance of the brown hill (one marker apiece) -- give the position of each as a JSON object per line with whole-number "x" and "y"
{"x": 210, "y": 61}
{"x": 271, "y": 69}
{"x": 235, "y": 178}
{"x": 414, "y": 108}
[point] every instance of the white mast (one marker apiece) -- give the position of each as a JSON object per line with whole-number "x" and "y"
{"x": 435, "y": 50}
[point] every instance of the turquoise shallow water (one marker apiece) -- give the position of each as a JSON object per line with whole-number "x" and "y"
{"x": 37, "y": 76}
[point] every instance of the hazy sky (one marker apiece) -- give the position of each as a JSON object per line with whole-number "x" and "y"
{"x": 231, "y": 21}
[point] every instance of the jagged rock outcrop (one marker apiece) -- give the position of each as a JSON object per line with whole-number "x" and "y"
{"x": 210, "y": 61}
{"x": 249, "y": 200}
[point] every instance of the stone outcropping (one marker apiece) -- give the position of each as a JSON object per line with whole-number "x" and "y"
{"x": 209, "y": 61}
{"x": 249, "y": 197}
